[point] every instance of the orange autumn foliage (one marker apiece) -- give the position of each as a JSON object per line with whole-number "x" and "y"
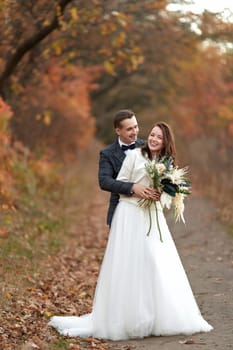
{"x": 58, "y": 116}
{"x": 21, "y": 171}
{"x": 69, "y": 99}
{"x": 206, "y": 100}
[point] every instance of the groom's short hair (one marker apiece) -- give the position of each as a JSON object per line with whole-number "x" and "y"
{"x": 122, "y": 115}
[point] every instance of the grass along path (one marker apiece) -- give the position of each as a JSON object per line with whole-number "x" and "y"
{"x": 51, "y": 255}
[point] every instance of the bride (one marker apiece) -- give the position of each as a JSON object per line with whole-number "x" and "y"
{"x": 142, "y": 289}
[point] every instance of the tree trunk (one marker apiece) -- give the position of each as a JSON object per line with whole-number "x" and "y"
{"x": 28, "y": 44}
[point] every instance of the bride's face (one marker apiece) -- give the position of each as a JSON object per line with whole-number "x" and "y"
{"x": 155, "y": 140}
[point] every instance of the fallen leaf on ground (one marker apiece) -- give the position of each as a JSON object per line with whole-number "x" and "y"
{"x": 188, "y": 341}
{"x": 4, "y": 233}
{"x": 73, "y": 346}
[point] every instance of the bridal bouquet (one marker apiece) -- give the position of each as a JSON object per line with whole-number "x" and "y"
{"x": 172, "y": 182}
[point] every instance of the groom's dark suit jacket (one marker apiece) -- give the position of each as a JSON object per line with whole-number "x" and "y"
{"x": 111, "y": 159}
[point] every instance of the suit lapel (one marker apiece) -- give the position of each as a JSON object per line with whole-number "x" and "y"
{"x": 117, "y": 152}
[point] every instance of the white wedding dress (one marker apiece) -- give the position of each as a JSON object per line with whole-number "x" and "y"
{"x": 142, "y": 288}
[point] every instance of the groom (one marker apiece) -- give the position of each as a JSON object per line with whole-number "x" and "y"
{"x": 111, "y": 159}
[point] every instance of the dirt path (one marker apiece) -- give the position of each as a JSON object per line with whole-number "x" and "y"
{"x": 65, "y": 283}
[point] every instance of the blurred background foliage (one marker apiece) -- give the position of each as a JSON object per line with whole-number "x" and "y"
{"x": 66, "y": 67}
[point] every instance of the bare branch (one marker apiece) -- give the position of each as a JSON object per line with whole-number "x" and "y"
{"x": 28, "y": 44}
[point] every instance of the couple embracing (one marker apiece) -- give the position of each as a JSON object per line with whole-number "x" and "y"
{"x": 142, "y": 289}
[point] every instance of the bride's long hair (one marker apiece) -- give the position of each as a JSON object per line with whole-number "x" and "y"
{"x": 169, "y": 148}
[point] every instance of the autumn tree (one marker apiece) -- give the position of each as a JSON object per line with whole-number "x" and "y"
{"x": 58, "y": 115}
{"x": 85, "y": 32}
{"x": 174, "y": 44}
{"x": 140, "y": 46}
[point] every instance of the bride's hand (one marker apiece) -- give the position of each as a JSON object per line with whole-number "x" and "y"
{"x": 145, "y": 192}
{"x": 156, "y": 195}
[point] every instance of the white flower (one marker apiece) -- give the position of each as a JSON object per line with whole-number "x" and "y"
{"x": 177, "y": 175}
{"x": 160, "y": 168}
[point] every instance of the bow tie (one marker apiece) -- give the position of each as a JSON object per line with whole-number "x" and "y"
{"x": 125, "y": 148}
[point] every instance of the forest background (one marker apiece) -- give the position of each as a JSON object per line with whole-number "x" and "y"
{"x": 67, "y": 66}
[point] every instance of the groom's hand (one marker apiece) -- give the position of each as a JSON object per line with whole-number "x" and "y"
{"x": 145, "y": 192}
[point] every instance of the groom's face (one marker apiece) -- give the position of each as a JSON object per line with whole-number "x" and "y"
{"x": 128, "y": 131}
